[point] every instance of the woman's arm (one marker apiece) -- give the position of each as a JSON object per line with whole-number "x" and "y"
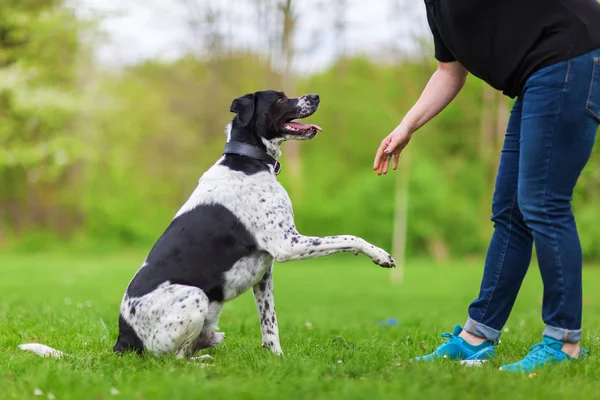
{"x": 443, "y": 86}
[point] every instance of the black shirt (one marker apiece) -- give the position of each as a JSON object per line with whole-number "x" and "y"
{"x": 504, "y": 41}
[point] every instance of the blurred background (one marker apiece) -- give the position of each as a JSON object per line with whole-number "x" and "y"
{"x": 110, "y": 110}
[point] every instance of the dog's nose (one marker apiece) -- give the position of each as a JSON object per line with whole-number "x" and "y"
{"x": 313, "y": 97}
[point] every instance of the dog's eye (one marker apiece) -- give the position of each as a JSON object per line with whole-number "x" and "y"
{"x": 281, "y": 99}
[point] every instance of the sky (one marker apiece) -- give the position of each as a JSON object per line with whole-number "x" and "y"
{"x": 136, "y": 30}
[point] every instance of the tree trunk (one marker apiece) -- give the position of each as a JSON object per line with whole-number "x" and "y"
{"x": 494, "y": 119}
{"x": 400, "y": 218}
{"x": 288, "y": 85}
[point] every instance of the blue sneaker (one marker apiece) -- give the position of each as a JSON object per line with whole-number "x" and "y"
{"x": 542, "y": 354}
{"x": 457, "y": 349}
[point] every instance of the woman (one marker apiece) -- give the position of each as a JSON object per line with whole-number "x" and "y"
{"x": 546, "y": 53}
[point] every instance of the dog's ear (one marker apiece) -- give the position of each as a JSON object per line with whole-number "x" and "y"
{"x": 244, "y": 108}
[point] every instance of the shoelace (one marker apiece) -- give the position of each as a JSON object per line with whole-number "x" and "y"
{"x": 539, "y": 352}
{"x": 450, "y": 338}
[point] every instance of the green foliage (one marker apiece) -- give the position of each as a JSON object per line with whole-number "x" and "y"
{"x": 37, "y": 61}
{"x": 39, "y": 47}
{"x": 92, "y": 156}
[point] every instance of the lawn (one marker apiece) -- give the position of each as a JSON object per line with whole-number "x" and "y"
{"x": 329, "y": 314}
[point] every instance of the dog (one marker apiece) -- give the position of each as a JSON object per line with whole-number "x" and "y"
{"x": 224, "y": 239}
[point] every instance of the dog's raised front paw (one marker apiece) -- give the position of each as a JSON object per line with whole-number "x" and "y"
{"x": 382, "y": 258}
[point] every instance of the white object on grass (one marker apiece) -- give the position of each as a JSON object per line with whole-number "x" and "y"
{"x": 41, "y": 350}
{"x": 473, "y": 363}
{"x": 203, "y": 357}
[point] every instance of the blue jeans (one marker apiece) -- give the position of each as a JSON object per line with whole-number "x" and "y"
{"x": 549, "y": 139}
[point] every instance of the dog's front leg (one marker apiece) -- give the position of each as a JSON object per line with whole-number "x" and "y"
{"x": 265, "y": 304}
{"x": 294, "y": 246}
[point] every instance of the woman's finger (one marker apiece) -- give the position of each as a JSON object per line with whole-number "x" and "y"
{"x": 379, "y": 155}
{"x": 396, "y": 159}
{"x": 386, "y": 164}
{"x": 381, "y": 165}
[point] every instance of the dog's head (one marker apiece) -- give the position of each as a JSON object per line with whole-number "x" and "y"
{"x": 270, "y": 116}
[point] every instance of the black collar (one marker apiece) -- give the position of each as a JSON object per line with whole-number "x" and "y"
{"x": 248, "y": 150}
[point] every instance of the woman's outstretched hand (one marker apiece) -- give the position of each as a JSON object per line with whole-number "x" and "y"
{"x": 391, "y": 146}
{"x": 442, "y": 88}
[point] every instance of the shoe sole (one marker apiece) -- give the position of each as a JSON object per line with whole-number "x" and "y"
{"x": 473, "y": 363}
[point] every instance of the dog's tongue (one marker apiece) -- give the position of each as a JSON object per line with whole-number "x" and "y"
{"x": 301, "y": 126}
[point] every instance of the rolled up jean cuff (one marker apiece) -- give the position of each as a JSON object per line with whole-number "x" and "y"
{"x": 564, "y": 335}
{"x": 481, "y": 330}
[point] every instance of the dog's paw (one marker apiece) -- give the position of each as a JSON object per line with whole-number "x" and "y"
{"x": 275, "y": 348}
{"x": 209, "y": 340}
{"x": 277, "y": 352}
{"x": 203, "y": 357}
{"x": 382, "y": 258}
{"x": 218, "y": 337}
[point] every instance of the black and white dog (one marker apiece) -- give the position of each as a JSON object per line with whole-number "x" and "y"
{"x": 224, "y": 239}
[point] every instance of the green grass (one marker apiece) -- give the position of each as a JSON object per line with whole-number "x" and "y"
{"x": 71, "y": 302}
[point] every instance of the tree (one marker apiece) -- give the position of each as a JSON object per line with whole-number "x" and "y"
{"x": 39, "y": 46}
{"x": 288, "y": 17}
{"x": 399, "y": 239}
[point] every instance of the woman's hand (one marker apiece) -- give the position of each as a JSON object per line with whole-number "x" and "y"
{"x": 442, "y": 88}
{"x": 391, "y": 146}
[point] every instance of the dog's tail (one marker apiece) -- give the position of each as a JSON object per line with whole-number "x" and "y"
{"x": 42, "y": 350}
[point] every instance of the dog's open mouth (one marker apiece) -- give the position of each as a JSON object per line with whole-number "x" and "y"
{"x": 300, "y": 129}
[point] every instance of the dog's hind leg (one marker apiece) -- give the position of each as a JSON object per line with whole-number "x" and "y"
{"x": 170, "y": 319}
{"x": 265, "y": 304}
